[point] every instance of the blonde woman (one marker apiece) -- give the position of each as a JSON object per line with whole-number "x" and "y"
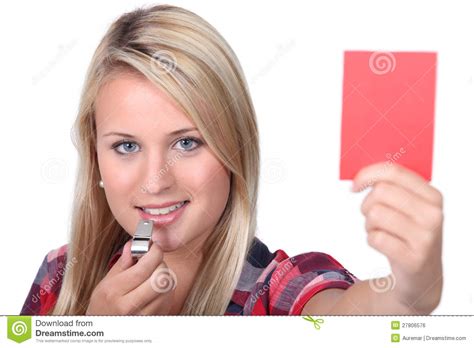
{"x": 166, "y": 131}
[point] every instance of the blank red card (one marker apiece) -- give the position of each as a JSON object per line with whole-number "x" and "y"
{"x": 388, "y": 110}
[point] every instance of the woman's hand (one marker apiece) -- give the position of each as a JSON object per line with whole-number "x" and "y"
{"x": 404, "y": 221}
{"x": 144, "y": 288}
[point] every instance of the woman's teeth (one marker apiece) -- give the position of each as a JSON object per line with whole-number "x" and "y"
{"x": 163, "y": 211}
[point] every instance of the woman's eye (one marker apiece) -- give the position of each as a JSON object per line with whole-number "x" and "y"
{"x": 188, "y": 144}
{"x": 127, "y": 146}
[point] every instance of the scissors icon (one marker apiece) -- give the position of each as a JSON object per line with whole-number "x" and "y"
{"x": 316, "y": 322}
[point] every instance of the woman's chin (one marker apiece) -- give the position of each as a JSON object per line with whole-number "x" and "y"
{"x": 168, "y": 242}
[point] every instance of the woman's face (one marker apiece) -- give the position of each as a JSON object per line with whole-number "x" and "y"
{"x": 149, "y": 154}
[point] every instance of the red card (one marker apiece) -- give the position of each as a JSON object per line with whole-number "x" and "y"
{"x": 388, "y": 110}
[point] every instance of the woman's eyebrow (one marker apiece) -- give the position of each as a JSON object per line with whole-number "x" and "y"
{"x": 184, "y": 130}
{"x": 176, "y": 132}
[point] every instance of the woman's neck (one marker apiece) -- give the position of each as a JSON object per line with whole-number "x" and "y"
{"x": 186, "y": 271}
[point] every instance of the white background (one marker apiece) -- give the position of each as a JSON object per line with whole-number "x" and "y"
{"x": 292, "y": 55}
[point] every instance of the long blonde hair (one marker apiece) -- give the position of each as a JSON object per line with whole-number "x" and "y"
{"x": 190, "y": 61}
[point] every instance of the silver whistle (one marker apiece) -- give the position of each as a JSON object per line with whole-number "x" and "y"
{"x": 142, "y": 239}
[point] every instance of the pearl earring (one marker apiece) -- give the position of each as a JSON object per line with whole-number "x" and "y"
{"x": 101, "y": 184}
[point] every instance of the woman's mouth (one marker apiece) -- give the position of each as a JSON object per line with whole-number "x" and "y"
{"x": 163, "y": 216}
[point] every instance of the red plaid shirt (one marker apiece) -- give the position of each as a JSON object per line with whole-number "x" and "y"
{"x": 270, "y": 283}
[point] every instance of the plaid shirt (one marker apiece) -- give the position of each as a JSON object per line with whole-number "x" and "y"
{"x": 270, "y": 283}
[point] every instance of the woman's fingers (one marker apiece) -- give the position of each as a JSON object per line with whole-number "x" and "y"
{"x": 124, "y": 262}
{"x": 404, "y": 218}
{"x": 129, "y": 287}
{"x": 402, "y": 200}
{"x": 159, "y": 306}
{"x": 381, "y": 217}
{"x": 135, "y": 275}
{"x": 400, "y": 176}
{"x": 156, "y": 295}
{"x": 392, "y": 247}
{"x": 162, "y": 281}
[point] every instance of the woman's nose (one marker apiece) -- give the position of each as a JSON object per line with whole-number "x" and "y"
{"x": 158, "y": 174}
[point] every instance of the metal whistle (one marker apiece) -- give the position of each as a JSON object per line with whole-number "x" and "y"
{"x": 142, "y": 239}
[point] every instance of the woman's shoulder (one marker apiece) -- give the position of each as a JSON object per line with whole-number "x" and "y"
{"x": 55, "y": 262}
{"x": 47, "y": 282}
{"x": 57, "y": 256}
{"x": 274, "y": 283}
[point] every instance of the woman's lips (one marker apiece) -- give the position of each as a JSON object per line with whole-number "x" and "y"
{"x": 166, "y": 219}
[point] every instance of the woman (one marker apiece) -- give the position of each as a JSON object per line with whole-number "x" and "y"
{"x": 166, "y": 131}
